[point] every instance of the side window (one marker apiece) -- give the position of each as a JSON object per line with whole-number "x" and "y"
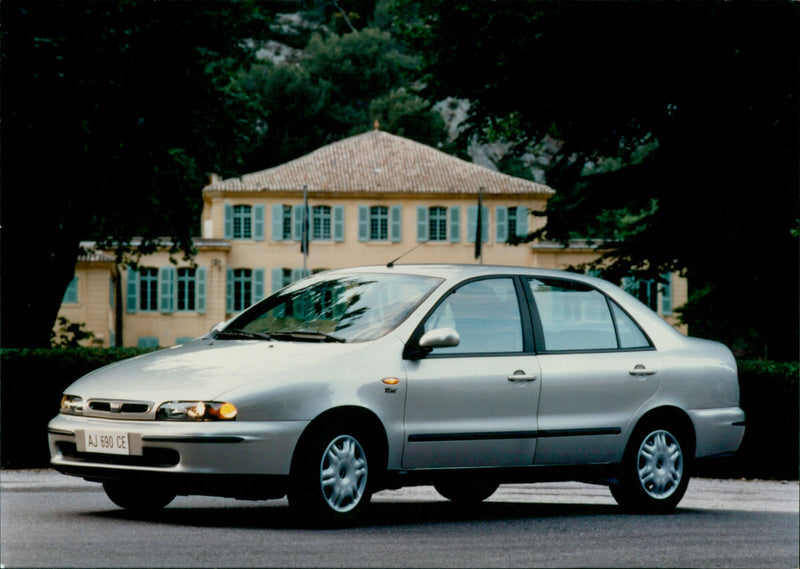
{"x": 485, "y": 314}
{"x": 630, "y": 335}
{"x": 573, "y": 316}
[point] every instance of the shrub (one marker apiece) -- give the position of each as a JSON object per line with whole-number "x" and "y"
{"x": 30, "y": 393}
{"x": 769, "y": 398}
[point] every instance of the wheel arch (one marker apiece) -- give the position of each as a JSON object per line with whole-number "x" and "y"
{"x": 368, "y": 424}
{"x": 674, "y": 416}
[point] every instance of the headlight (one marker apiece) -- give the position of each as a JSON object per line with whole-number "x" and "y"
{"x": 196, "y": 411}
{"x": 71, "y": 405}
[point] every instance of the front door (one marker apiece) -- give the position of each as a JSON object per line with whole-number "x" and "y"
{"x": 475, "y": 404}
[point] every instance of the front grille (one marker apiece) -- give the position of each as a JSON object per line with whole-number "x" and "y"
{"x": 108, "y": 408}
{"x": 152, "y": 456}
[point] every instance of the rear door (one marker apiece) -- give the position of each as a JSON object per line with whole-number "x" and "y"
{"x": 597, "y": 367}
{"x": 475, "y": 404}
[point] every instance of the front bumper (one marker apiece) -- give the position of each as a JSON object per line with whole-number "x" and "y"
{"x": 176, "y": 450}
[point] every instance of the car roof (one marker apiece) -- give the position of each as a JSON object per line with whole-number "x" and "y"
{"x": 455, "y": 271}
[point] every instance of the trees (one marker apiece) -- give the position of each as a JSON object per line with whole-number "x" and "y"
{"x": 114, "y": 113}
{"x": 109, "y": 123}
{"x": 713, "y": 84}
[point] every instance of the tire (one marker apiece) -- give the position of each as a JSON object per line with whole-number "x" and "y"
{"x": 654, "y": 472}
{"x": 138, "y": 497}
{"x": 466, "y": 491}
{"x": 332, "y": 478}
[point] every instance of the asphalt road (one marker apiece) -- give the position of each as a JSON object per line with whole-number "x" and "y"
{"x": 49, "y": 520}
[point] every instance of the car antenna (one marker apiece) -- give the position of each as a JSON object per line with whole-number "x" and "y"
{"x": 390, "y": 264}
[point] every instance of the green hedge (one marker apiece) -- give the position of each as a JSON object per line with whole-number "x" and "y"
{"x": 30, "y": 394}
{"x": 33, "y": 380}
{"x": 769, "y": 398}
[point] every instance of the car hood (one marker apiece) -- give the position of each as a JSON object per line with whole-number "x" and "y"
{"x": 204, "y": 369}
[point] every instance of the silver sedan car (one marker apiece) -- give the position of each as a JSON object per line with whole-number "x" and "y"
{"x": 357, "y": 380}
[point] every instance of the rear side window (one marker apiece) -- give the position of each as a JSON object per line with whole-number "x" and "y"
{"x": 630, "y": 335}
{"x": 576, "y": 317}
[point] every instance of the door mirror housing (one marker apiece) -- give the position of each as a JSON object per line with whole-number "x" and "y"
{"x": 438, "y": 338}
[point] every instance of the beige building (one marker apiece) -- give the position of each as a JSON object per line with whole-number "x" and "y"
{"x": 370, "y": 198}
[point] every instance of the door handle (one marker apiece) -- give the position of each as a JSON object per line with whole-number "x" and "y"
{"x": 521, "y": 376}
{"x": 640, "y": 370}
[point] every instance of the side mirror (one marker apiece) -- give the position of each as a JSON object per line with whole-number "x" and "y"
{"x": 439, "y": 338}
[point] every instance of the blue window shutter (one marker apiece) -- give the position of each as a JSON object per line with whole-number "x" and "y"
{"x": 112, "y": 296}
{"x": 228, "y": 221}
{"x": 396, "y": 223}
{"x": 166, "y": 289}
{"x": 229, "y": 291}
{"x": 484, "y": 224}
{"x": 472, "y": 219}
{"x": 363, "y": 223}
{"x": 338, "y": 223}
{"x": 455, "y": 224}
{"x": 277, "y": 222}
{"x": 276, "y": 275}
{"x": 502, "y": 223}
{"x": 147, "y": 342}
{"x": 300, "y": 273}
{"x": 258, "y": 285}
{"x": 422, "y": 223}
{"x": 258, "y": 223}
{"x": 132, "y": 292}
{"x": 666, "y": 295}
{"x": 522, "y": 222}
{"x": 200, "y": 290}
{"x": 297, "y": 215}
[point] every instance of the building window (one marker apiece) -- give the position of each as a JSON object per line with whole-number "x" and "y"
{"x": 437, "y": 224}
{"x": 512, "y": 221}
{"x": 286, "y": 222}
{"x": 321, "y": 222}
{"x": 148, "y": 289}
{"x": 650, "y": 291}
{"x": 186, "y": 289}
{"x": 379, "y": 223}
{"x": 242, "y": 222}
{"x": 71, "y": 294}
{"x": 242, "y": 289}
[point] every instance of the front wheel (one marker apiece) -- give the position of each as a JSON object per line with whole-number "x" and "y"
{"x": 138, "y": 497}
{"x": 331, "y": 483}
{"x": 654, "y": 471}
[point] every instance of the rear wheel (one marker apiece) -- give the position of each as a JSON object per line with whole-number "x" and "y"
{"x": 138, "y": 496}
{"x": 654, "y": 471}
{"x": 331, "y": 478}
{"x": 466, "y": 490}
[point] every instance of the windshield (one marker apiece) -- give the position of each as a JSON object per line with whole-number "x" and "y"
{"x": 335, "y": 308}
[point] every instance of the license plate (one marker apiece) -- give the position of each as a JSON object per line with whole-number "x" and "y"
{"x": 106, "y": 442}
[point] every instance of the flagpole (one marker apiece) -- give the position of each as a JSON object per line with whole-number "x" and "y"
{"x": 479, "y": 228}
{"x": 304, "y": 236}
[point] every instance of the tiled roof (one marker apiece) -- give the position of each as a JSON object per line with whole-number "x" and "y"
{"x": 379, "y": 162}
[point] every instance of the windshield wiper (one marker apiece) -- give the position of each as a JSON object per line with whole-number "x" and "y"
{"x": 242, "y": 333}
{"x": 305, "y": 336}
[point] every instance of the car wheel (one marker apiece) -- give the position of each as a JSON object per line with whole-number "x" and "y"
{"x": 466, "y": 490}
{"x": 331, "y": 483}
{"x": 654, "y": 471}
{"x": 138, "y": 497}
